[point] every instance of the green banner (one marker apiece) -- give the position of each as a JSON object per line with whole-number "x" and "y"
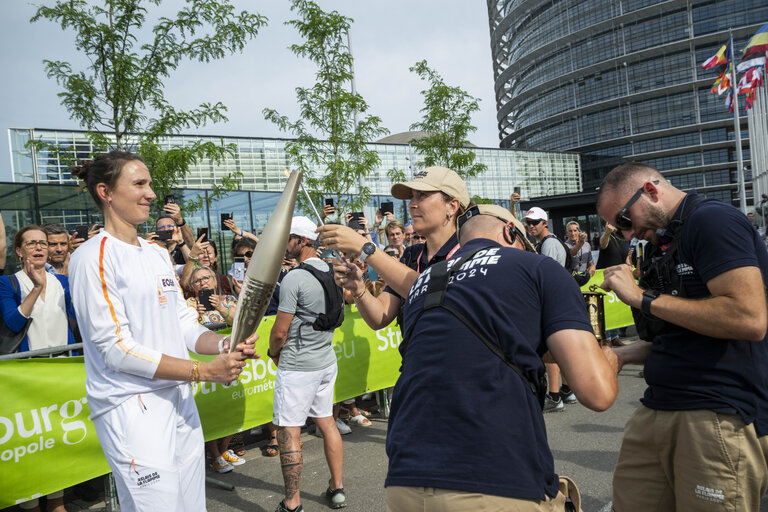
{"x": 48, "y": 443}
{"x": 368, "y": 360}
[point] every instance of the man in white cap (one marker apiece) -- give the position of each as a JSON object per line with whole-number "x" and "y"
{"x": 537, "y": 223}
{"x": 306, "y": 366}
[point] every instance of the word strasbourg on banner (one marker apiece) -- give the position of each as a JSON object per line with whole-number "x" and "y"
{"x": 48, "y": 443}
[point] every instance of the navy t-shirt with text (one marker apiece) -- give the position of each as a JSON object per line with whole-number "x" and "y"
{"x": 461, "y": 419}
{"x": 686, "y": 370}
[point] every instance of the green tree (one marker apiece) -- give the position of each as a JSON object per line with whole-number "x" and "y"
{"x": 330, "y": 146}
{"x": 119, "y": 97}
{"x": 447, "y": 121}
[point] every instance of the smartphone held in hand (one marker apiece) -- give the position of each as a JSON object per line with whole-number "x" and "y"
{"x": 81, "y": 232}
{"x": 238, "y": 268}
{"x": 225, "y": 216}
{"x": 204, "y": 298}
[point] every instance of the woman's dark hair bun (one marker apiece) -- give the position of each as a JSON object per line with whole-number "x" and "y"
{"x": 105, "y": 168}
{"x": 81, "y": 171}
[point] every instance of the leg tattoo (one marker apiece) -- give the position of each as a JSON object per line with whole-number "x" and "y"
{"x": 291, "y": 462}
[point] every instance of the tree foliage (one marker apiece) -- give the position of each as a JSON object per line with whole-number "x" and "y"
{"x": 447, "y": 122}
{"x": 119, "y": 97}
{"x": 330, "y": 147}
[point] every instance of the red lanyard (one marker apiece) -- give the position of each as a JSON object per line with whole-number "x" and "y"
{"x": 451, "y": 253}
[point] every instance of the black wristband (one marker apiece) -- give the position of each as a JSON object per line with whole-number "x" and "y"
{"x": 648, "y": 297}
{"x": 182, "y": 223}
{"x": 271, "y": 356}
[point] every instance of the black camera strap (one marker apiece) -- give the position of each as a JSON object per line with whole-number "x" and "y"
{"x": 439, "y": 279}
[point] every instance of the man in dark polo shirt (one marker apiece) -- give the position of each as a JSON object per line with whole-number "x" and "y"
{"x": 453, "y": 387}
{"x": 697, "y": 441}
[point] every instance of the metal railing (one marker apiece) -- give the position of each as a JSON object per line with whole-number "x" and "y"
{"x": 44, "y": 352}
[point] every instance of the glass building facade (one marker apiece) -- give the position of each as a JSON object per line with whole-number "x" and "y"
{"x": 44, "y": 191}
{"x": 622, "y": 79}
{"x": 262, "y": 163}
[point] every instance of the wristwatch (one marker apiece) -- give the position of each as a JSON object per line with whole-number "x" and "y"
{"x": 368, "y": 249}
{"x": 648, "y": 297}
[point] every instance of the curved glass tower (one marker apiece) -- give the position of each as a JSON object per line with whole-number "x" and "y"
{"x": 622, "y": 79}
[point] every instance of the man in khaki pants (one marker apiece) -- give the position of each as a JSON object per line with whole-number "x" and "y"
{"x": 697, "y": 441}
{"x": 466, "y": 430}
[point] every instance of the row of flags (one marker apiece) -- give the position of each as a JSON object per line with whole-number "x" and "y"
{"x": 752, "y": 65}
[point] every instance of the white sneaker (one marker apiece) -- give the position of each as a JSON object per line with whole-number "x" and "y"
{"x": 232, "y": 458}
{"x": 222, "y": 466}
{"x": 343, "y": 427}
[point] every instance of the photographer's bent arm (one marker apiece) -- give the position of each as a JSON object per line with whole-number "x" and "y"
{"x": 589, "y": 370}
{"x": 736, "y": 309}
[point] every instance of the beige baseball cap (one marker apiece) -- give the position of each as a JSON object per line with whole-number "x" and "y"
{"x": 432, "y": 179}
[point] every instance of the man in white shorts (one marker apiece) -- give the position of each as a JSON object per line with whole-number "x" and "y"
{"x": 306, "y": 371}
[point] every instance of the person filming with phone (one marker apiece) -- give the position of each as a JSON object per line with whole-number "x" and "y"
{"x": 168, "y": 235}
{"x": 214, "y": 310}
{"x": 582, "y": 266}
{"x": 204, "y": 254}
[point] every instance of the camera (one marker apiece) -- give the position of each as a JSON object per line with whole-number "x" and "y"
{"x": 164, "y": 235}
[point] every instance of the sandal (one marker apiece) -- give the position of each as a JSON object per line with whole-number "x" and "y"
{"x": 360, "y": 421}
{"x": 272, "y": 450}
{"x": 238, "y": 445}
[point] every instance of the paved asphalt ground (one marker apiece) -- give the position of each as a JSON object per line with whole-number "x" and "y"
{"x": 585, "y": 445}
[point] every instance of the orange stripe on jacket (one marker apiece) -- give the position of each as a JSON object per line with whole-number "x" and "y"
{"x": 112, "y": 308}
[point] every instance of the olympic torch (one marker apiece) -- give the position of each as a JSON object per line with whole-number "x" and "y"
{"x": 261, "y": 275}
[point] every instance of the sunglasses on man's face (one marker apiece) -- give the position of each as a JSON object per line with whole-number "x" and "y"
{"x": 622, "y": 220}
{"x": 418, "y": 237}
{"x": 246, "y": 254}
{"x": 533, "y": 222}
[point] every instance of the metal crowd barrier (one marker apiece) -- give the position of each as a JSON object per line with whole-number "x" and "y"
{"x": 44, "y": 352}
{"x": 110, "y": 494}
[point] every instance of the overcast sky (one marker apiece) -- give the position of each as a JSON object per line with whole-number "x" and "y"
{"x": 387, "y": 38}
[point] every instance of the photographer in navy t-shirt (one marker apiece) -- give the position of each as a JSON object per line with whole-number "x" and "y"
{"x": 697, "y": 441}
{"x": 454, "y": 388}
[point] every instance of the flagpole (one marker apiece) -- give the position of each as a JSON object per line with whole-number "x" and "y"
{"x": 737, "y": 128}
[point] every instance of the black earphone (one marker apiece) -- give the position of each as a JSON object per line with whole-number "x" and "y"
{"x": 510, "y": 235}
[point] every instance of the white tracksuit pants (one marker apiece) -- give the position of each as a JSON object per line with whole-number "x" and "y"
{"x": 153, "y": 443}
